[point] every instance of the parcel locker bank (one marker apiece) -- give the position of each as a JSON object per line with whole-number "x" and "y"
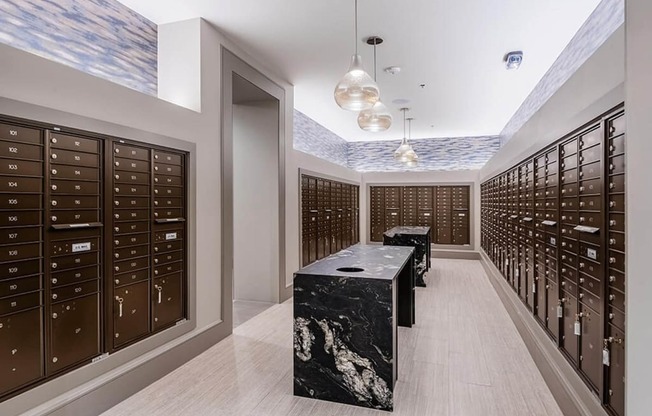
{"x": 92, "y": 247}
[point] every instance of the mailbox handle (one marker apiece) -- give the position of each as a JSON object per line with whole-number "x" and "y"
{"x": 168, "y": 220}
{"x": 77, "y": 226}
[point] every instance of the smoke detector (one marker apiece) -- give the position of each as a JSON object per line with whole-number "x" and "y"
{"x": 392, "y": 70}
{"x": 513, "y": 59}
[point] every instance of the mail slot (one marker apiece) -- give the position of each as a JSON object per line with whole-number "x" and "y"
{"x": 173, "y": 191}
{"x": 74, "y": 276}
{"x": 75, "y": 202}
{"x": 19, "y": 303}
{"x": 131, "y": 252}
{"x": 130, "y": 313}
{"x": 19, "y": 150}
{"x": 74, "y": 216}
{"x": 617, "y": 241}
{"x": 21, "y": 360}
{"x": 74, "y": 188}
{"x": 131, "y": 277}
{"x": 20, "y": 167}
{"x": 65, "y": 293}
{"x": 161, "y": 213}
{"x": 590, "y": 267}
{"x": 165, "y": 157}
{"x": 129, "y": 265}
{"x": 130, "y": 152}
{"x": 164, "y": 169}
{"x": 130, "y": 214}
{"x": 20, "y": 252}
{"x": 590, "y": 138}
{"x": 590, "y": 219}
{"x": 73, "y": 323}
{"x": 19, "y": 286}
{"x": 19, "y": 134}
{"x": 167, "y": 300}
{"x": 131, "y": 227}
{"x": 131, "y": 165}
{"x": 168, "y": 202}
{"x": 67, "y": 142}
{"x": 165, "y": 269}
{"x": 617, "y": 146}
{"x": 569, "y": 148}
{"x": 120, "y": 176}
{"x": 617, "y": 260}
{"x": 617, "y": 183}
{"x": 128, "y": 240}
{"x": 74, "y": 261}
{"x": 168, "y": 180}
{"x": 132, "y": 190}
{"x": 79, "y": 243}
{"x": 20, "y": 269}
{"x": 74, "y": 172}
{"x": 131, "y": 202}
{"x": 165, "y": 258}
{"x": 19, "y": 235}
{"x": 590, "y": 155}
{"x": 616, "y": 317}
{"x": 69, "y": 157}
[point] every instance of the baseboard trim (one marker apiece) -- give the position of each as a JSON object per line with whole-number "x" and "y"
{"x": 572, "y": 395}
{"x": 455, "y": 254}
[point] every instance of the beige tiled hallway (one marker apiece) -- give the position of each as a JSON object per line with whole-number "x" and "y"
{"x": 464, "y": 357}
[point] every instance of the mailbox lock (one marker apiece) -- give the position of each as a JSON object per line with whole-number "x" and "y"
{"x": 54, "y": 281}
{"x": 582, "y": 265}
{"x": 612, "y": 260}
{"x": 55, "y": 296}
{"x": 611, "y": 316}
{"x": 54, "y": 187}
{"x": 117, "y": 190}
{"x": 612, "y": 297}
{"x": 612, "y": 279}
{"x": 54, "y": 315}
{"x": 117, "y": 229}
{"x": 117, "y": 255}
{"x": 54, "y": 203}
{"x": 116, "y": 203}
{"x": 55, "y": 359}
{"x": 581, "y": 295}
{"x": 117, "y": 268}
{"x": 54, "y": 140}
{"x": 581, "y": 280}
{"x": 612, "y": 222}
{"x": 54, "y": 171}
{"x": 116, "y": 242}
{"x": 54, "y": 218}
{"x": 54, "y": 265}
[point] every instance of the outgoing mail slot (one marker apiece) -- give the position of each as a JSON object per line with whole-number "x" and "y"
{"x": 130, "y": 152}
{"x": 74, "y": 216}
{"x": 19, "y": 235}
{"x": 16, "y": 287}
{"x": 174, "y": 191}
{"x": 616, "y": 317}
{"x": 168, "y": 202}
{"x": 20, "y": 252}
{"x": 569, "y": 148}
{"x": 22, "y": 357}
{"x": 169, "y": 158}
{"x": 131, "y": 277}
{"x": 131, "y": 252}
{"x": 19, "y": 202}
{"x": 160, "y": 168}
{"x": 616, "y": 164}
{"x": 61, "y": 294}
{"x": 166, "y": 269}
{"x": 165, "y": 258}
{"x": 617, "y": 146}
{"x": 75, "y": 202}
{"x": 168, "y": 246}
{"x": 617, "y": 260}
{"x": 592, "y": 203}
{"x": 161, "y": 213}
{"x": 589, "y": 267}
{"x": 74, "y": 261}
{"x": 131, "y": 202}
{"x": 131, "y": 227}
{"x": 125, "y": 177}
{"x": 590, "y": 138}
{"x": 66, "y": 142}
{"x": 590, "y": 155}
{"x": 589, "y": 299}
{"x": 167, "y": 300}
{"x": 616, "y": 299}
{"x": 20, "y": 303}
{"x": 15, "y": 167}
{"x": 16, "y": 150}
{"x": 617, "y": 222}
{"x": 168, "y": 180}
{"x": 130, "y": 214}
{"x": 19, "y": 134}
{"x": 74, "y": 188}
{"x": 20, "y": 269}
{"x": 617, "y": 241}
{"x": 73, "y": 323}
{"x": 569, "y": 162}
{"x": 132, "y": 190}
{"x": 127, "y": 266}
{"x": 131, "y": 165}
{"x": 590, "y": 219}
{"x": 130, "y": 313}
{"x": 74, "y": 172}
{"x": 74, "y": 276}
{"x": 129, "y": 240}
{"x": 68, "y": 157}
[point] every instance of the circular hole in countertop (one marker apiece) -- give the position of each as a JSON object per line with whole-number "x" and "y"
{"x": 350, "y": 269}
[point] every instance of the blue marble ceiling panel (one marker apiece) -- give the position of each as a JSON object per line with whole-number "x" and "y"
{"x": 101, "y": 37}
{"x": 313, "y": 138}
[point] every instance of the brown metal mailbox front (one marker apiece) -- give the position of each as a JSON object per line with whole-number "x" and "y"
{"x": 167, "y": 300}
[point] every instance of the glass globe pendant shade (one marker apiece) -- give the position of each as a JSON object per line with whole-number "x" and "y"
{"x": 376, "y": 119}
{"x": 356, "y": 91}
{"x": 401, "y": 151}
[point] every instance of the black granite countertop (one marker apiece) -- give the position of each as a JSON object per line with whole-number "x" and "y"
{"x": 407, "y": 230}
{"x": 377, "y": 262}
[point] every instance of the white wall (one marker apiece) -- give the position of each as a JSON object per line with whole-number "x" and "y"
{"x": 467, "y": 177}
{"x": 255, "y": 201}
{"x": 638, "y": 91}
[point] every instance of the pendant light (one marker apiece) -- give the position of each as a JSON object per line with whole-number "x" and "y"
{"x": 404, "y": 147}
{"x": 410, "y": 156}
{"x": 356, "y": 91}
{"x": 377, "y": 118}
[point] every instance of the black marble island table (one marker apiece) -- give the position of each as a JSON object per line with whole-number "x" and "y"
{"x": 417, "y": 237}
{"x": 346, "y": 310}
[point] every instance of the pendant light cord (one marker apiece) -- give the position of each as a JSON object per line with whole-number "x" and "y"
{"x": 404, "y": 110}
{"x": 356, "y": 27}
{"x": 375, "y": 41}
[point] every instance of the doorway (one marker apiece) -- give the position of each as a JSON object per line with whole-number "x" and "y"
{"x": 253, "y": 178}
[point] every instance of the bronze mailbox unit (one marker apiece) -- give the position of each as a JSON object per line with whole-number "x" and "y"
{"x": 92, "y": 247}
{"x": 562, "y": 211}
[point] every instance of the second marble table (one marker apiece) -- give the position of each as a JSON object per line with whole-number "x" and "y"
{"x": 417, "y": 237}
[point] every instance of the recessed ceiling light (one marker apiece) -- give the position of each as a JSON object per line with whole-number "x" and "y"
{"x": 513, "y": 59}
{"x": 393, "y": 70}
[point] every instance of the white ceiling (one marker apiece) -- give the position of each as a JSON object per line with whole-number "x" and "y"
{"x": 455, "y": 47}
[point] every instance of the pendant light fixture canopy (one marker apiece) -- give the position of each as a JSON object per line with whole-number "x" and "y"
{"x": 356, "y": 91}
{"x": 377, "y": 118}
